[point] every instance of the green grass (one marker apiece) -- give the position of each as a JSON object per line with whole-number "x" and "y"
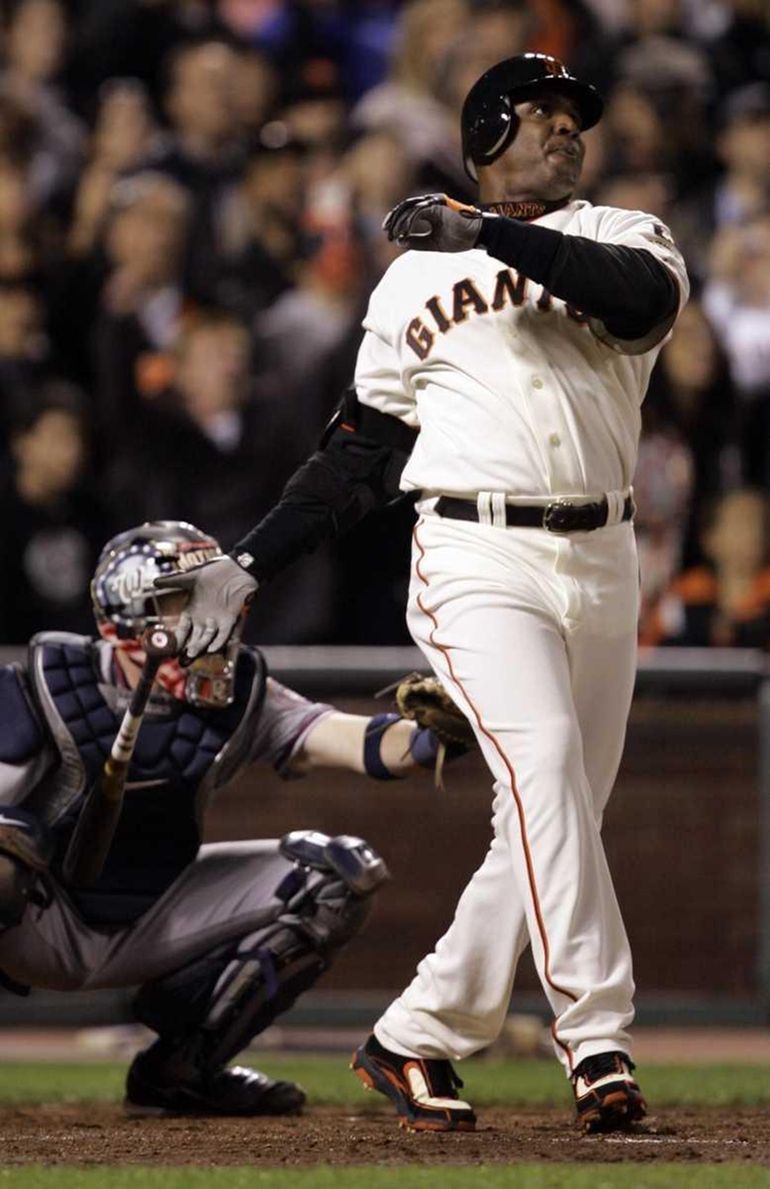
{"x": 520, "y": 1176}
{"x": 327, "y": 1080}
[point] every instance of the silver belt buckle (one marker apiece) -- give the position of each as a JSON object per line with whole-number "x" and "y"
{"x": 554, "y": 516}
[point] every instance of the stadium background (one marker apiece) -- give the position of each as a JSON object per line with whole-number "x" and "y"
{"x": 191, "y": 196}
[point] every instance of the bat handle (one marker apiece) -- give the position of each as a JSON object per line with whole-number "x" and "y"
{"x": 95, "y": 828}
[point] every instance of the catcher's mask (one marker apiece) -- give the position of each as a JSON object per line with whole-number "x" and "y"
{"x": 125, "y": 603}
{"x": 488, "y": 121}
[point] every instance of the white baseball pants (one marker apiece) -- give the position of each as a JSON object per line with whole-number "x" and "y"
{"x": 534, "y": 636}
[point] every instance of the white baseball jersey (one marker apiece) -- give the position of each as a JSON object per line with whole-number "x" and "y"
{"x": 512, "y": 389}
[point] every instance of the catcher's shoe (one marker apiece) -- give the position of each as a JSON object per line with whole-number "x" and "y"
{"x": 236, "y": 1091}
{"x": 607, "y": 1097}
{"x": 424, "y": 1091}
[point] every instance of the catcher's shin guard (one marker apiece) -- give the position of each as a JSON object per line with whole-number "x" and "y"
{"x": 207, "y": 1011}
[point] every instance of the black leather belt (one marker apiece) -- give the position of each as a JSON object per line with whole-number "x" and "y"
{"x": 558, "y": 516}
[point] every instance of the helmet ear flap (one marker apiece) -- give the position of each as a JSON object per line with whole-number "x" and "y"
{"x": 488, "y": 130}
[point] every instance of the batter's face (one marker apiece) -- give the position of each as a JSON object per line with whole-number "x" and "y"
{"x": 544, "y": 160}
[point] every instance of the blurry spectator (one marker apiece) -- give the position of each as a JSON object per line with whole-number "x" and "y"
{"x": 299, "y": 334}
{"x": 255, "y": 93}
{"x": 119, "y": 38}
{"x": 320, "y": 122}
{"x": 675, "y": 77}
{"x": 725, "y": 602}
{"x": 204, "y": 151}
{"x": 704, "y": 19}
{"x": 17, "y": 131}
{"x": 583, "y": 33}
{"x": 742, "y": 190}
{"x": 663, "y": 488}
{"x": 691, "y": 400}
{"x": 211, "y": 451}
{"x": 375, "y": 174}
{"x": 649, "y": 17}
{"x": 741, "y": 50}
{"x": 24, "y": 356}
{"x": 636, "y": 136}
{"x": 123, "y": 136}
{"x": 198, "y": 445}
{"x": 20, "y": 230}
{"x": 260, "y": 226}
{"x": 34, "y": 58}
{"x": 594, "y": 162}
{"x": 201, "y": 105}
{"x": 639, "y": 192}
{"x": 494, "y": 29}
{"x": 737, "y": 300}
{"x": 408, "y": 104}
{"x": 52, "y": 528}
{"x": 143, "y": 297}
{"x": 346, "y": 44}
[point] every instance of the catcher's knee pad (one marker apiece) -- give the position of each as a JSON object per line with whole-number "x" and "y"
{"x": 233, "y": 993}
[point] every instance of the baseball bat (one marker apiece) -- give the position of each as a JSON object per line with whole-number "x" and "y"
{"x": 95, "y": 828}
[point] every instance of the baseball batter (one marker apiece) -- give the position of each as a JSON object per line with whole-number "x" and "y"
{"x": 500, "y": 377}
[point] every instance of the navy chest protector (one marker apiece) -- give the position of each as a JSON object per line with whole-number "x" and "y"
{"x": 181, "y": 756}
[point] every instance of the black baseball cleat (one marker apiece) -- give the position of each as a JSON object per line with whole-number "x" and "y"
{"x": 236, "y": 1091}
{"x": 607, "y": 1097}
{"x": 423, "y": 1090}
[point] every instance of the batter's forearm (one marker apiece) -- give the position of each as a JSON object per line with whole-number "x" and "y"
{"x": 626, "y": 288}
{"x": 324, "y": 497}
{"x": 357, "y": 469}
{"x": 305, "y": 516}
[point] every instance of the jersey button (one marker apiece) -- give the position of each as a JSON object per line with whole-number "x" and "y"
{"x": 555, "y": 440}
{"x": 537, "y": 382}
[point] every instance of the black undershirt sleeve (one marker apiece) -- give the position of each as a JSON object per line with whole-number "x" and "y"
{"x": 354, "y": 472}
{"x": 625, "y": 288}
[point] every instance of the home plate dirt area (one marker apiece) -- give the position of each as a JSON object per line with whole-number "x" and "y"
{"x": 101, "y": 1134}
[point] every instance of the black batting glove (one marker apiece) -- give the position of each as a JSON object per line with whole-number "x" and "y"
{"x": 434, "y": 223}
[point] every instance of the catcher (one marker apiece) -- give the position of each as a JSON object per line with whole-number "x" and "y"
{"x": 222, "y": 938}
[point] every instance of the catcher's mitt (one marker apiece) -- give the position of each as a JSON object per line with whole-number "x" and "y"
{"x": 444, "y": 733}
{"x": 426, "y": 702}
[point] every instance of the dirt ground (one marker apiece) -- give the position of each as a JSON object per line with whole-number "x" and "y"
{"x": 101, "y": 1134}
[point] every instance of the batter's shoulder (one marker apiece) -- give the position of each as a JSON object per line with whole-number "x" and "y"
{"x": 395, "y": 290}
{"x": 614, "y": 222}
{"x": 407, "y": 266}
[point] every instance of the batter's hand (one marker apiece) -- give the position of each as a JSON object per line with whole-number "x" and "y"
{"x": 218, "y": 591}
{"x": 434, "y": 223}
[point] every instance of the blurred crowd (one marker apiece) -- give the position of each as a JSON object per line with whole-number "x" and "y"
{"x": 191, "y": 194}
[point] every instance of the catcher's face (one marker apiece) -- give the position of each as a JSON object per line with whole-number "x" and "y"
{"x": 544, "y": 160}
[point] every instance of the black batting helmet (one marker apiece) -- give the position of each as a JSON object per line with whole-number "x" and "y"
{"x": 488, "y": 120}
